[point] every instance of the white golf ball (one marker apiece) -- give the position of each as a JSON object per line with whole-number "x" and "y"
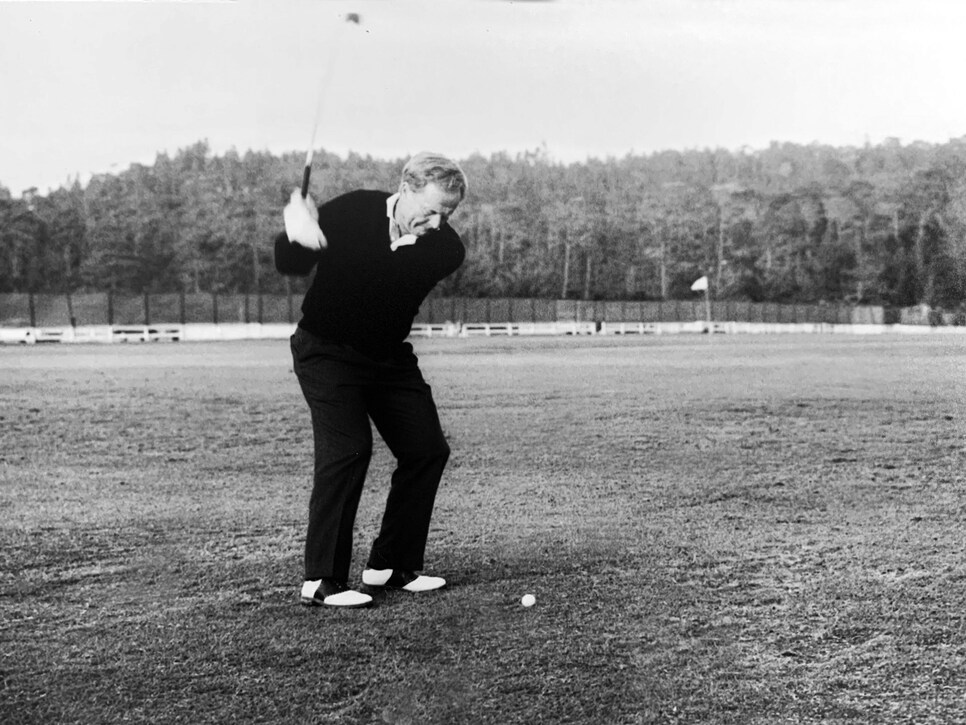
{"x": 528, "y": 600}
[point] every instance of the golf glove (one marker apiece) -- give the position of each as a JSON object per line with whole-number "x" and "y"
{"x": 302, "y": 222}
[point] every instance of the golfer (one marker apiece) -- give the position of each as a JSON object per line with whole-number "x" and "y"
{"x": 376, "y": 257}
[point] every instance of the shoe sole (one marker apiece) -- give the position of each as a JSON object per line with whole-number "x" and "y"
{"x": 422, "y": 591}
{"x": 391, "y": 588}
{"x": 305, "y": 602}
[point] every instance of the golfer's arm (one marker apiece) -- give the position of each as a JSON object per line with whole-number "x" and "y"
{"x": 293, "y": 259}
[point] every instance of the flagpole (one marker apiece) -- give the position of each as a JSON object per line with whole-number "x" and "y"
{"x": 707, "y": 306}
{"x": 701, "y": 284}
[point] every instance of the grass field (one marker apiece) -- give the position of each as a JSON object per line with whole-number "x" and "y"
{"x": 727, "y": 530}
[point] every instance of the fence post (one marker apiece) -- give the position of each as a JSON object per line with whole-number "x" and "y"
{"x": 214, "y": 307}
{"x": 183, "y": 312}
{"x": 288, "y": 299}
{"x": 70, "y": 309}
{"x": 247, "y": 314}
{"x": 147, "y": 310}
{"x": 110, "y": 307}
{"x": 33, "y": 309}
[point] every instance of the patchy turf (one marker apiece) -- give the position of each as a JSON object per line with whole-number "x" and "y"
{"x": 727, "y": 530}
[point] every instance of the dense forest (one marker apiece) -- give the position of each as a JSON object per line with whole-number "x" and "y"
{"x": 882, "y": 224}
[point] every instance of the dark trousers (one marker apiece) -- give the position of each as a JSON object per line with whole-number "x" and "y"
{"x": 344, "y": 390}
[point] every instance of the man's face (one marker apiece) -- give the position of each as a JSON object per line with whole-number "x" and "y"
{"x": 424, "y": 210}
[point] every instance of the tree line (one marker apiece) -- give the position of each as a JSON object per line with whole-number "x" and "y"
{"x": 881, "y": 224}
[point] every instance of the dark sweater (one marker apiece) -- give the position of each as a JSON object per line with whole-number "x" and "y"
{"x": 364, "y": 294}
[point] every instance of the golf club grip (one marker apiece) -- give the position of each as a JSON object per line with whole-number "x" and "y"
{"x": 306, "y": 173}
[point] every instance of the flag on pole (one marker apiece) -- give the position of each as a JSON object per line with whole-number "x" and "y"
{"x": 700, "y": 285}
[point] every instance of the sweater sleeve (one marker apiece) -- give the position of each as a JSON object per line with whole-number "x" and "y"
{"x": 458, "y": 256}
{"x": 293, "y": 259}
{"x": 454, "y": 256}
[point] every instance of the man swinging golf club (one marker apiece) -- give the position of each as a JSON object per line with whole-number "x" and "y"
{"x": 376, "y": 257}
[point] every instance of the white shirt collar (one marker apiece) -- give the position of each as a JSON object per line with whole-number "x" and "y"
{"x": 396, "y": 238}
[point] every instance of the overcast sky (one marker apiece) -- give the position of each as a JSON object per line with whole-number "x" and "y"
{"x": 91, "y": 87}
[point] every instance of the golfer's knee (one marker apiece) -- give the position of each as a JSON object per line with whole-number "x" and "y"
{"x": 437, "y": 453}
{"x": 359, "y": 453}
{"x": 350, "y": 454}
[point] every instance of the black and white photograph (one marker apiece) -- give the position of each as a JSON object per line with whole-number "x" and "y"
{"x": 482, "y": 362}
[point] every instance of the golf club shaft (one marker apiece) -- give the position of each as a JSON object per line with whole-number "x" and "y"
{"x": 306, "y": 175}
{"x": 307, "y": 171}
{"x": 323, "y": 90}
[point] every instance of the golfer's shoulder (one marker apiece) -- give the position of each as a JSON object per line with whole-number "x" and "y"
{"x": 451, "y": 235}
{"x": 359, "y": 200}
{"x": 449, "y": 240}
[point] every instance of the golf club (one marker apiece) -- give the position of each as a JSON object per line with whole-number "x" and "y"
{"x": 354, "y": 19}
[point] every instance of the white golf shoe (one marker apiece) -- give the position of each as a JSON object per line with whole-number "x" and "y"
{"x": 402, "y": 579}
{"x": 330, "y": 593}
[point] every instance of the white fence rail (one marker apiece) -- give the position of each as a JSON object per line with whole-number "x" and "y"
{"x": 202, "y": 332}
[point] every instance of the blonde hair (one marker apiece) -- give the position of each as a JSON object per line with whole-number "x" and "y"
{"x": 427, "y": 167}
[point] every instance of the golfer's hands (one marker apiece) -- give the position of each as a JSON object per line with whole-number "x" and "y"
{"x": 302, "y": 222}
